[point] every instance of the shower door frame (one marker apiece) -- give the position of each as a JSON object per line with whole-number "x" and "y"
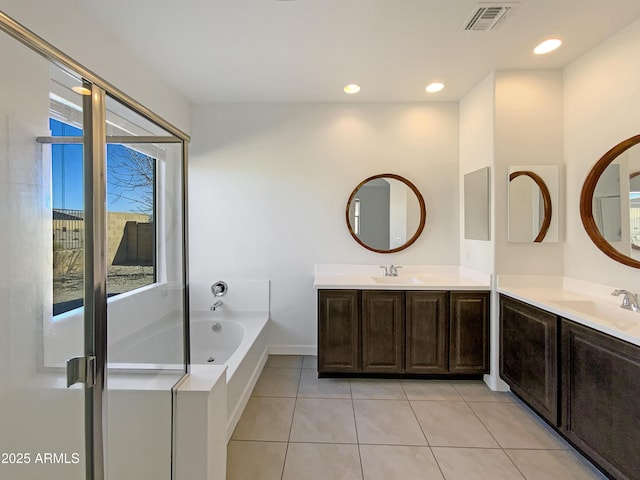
{"x": 95, "y": 317}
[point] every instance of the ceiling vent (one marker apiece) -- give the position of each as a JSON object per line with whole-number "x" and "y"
{"x": 487, "y": 16}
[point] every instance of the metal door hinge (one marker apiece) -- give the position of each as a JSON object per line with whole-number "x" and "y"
{"x": 81, "y": 370}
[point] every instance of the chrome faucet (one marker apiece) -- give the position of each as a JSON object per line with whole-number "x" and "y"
{"x": 217, "y": 304}
{"x": 629, "y": 301}
{"x": 393, "y": 270}
{"x": 390, "y": 271}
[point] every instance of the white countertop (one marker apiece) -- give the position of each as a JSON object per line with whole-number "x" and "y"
{"x": 410, "y": 277}
{"x": 587, "y": 303}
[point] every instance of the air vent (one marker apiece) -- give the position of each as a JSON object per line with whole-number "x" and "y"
{"x": 487, "y": 16}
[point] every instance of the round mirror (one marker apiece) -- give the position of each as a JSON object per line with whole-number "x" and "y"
{"x": 610, "y": 203}
{"x": 385, "y": 213}
{"x": 529, "y": 207}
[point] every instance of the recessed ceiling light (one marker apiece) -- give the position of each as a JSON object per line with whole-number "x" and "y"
{"x": 81, "y": 90}
{"x": 352, "y": 88}
{"x": 434, "y": 87}
{"x": 547, "y": 46}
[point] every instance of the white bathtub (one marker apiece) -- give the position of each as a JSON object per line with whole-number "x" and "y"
{"x": 240, "y": 344}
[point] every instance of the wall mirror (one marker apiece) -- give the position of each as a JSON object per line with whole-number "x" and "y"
{"x": 533, "y": 193}
{"x": 386, "y": 213}
{"x": 610, "y": 203}
{"x": 476, "y": 205}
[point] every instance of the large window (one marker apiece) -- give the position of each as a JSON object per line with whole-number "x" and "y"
{"x": 131, "y": 211}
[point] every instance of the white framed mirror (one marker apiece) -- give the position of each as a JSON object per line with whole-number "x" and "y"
{"x": 476, "y": 205}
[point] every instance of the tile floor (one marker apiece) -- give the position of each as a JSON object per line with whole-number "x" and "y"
{"x": 299, "y": 427}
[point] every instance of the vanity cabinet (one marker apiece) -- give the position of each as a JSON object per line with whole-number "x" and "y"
{"x": 392, "y": 332}
{"x": 585, "y": 383}
{"x": 601, "y": 398}
{"x": 529, "y": 355}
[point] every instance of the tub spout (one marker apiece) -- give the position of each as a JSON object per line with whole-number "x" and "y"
{"x": 217, "y": 304}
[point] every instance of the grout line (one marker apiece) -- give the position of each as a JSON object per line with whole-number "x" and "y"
{"x": 355, "y": 424}
{"x": 293, "y": 414}
{"x": 415, "y": 416}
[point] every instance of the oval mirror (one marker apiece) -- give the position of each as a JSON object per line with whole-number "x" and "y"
{"x": 610, "y": 203}
{"x": 385, "y": 213}
{"x": 530, "y": 207}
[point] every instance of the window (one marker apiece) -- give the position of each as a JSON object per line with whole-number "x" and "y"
{"x": 131, "y": 211}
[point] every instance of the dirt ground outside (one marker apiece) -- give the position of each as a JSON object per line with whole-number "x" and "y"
{"x": 120, "y": 279}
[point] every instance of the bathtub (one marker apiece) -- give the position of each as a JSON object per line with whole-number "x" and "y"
{"x": 240, "y": 344}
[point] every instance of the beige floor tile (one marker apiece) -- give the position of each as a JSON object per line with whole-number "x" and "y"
{"x": 326, "y": 420}
{"x": 255, "y": 460}
{"x": 386, "y": 462}
{"x": 476, "y": 464}
{"x": 377, "y": 389}
{"x": 553, "y": 464}
{"x": 514, "y": 426}
{"x": 452, "y": 424}
{"x": 310, "y": 361}
{"x": 277, "y": 382}
{"x": 387, "y": 422}
{"x": 313, "y": 387}
{"x": 478, "y": 391}
{"x": 321, "y": 461}
{"x": 284, "y": 361}
{"x": 430, "y": 390}
{"x": 265, "y": 418}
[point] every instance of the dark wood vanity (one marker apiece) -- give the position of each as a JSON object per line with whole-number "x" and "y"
{"x": 583, "y": 382}
{"x": 402, "y": 333}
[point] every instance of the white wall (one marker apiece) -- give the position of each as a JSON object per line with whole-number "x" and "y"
{"x": 71, "y": 28}
{"x": 528, "y": 131}
{"x": 477, "y": 151}
{"x": 602, "y": 108}
{"x": 269, "y": 184}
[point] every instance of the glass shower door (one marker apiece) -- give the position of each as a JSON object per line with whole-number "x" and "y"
{"x": 146, "y": 289}
{"x": 71, "y": 156}
{"x": 42, "y": 429}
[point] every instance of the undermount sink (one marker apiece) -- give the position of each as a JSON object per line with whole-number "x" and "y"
{"x": 592, "y": 308}
{"x": 397, "y": 280}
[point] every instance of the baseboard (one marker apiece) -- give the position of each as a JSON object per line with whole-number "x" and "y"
{"x": 293, "y": 349}
{"x": 496, "y": 384}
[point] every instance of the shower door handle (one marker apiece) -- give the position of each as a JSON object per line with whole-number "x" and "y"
{"x": 81, "y": 370}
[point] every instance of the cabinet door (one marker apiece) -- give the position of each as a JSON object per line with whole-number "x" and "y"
{"x": 427, "y": 341}
{"x": 338, "y": 331}
{"x": 601, "y": 398}
{"x": 469, "y": 333}
{"x": 529, "y": 355}
{"x": 382, "y": 331}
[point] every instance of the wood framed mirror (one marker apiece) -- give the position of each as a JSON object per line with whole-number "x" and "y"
{"x": 386, "y": 213}
{"x": 609, "y": 207}
{"x": 531, "y": 204}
